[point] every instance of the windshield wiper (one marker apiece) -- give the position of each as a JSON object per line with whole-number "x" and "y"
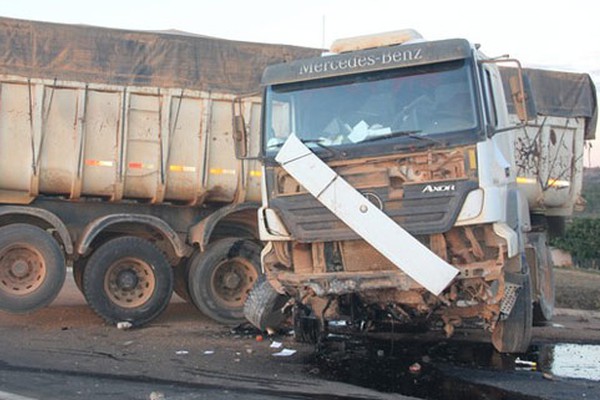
{"x": 392, "y": 135}
{"x": 410, "y": 134}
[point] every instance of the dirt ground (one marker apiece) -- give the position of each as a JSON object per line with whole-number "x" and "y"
{"x": 577, "y": 289}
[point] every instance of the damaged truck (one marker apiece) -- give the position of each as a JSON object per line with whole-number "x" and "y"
{"x": 117, "y": 159}
{"x": 416, "y": 182}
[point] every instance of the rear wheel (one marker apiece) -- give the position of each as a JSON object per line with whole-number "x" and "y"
{"x": 221, "y": 278}
{"x": 32, "y": 268}
{"x": 128, "y": 279}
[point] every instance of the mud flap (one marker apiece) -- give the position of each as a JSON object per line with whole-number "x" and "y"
{"x": 513, "y": 285}
{"x": 364, "y": 218}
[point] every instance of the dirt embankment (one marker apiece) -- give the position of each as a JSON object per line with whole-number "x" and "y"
{"x": 577, "y": 288}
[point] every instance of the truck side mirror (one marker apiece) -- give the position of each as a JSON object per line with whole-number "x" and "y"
{"x": 522, "y": 96}
{"x": 240, "y": 136}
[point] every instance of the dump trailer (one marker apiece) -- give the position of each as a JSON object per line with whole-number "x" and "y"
{"x": 117, "y": 157}
{"x": 412, "y": 182}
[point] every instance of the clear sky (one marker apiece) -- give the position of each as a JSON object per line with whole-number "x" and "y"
{"x": 550, "y": 34}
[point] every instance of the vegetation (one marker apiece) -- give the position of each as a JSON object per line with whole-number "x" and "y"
{"x": 582, "y": 237}
{"x": 582, "y": 240}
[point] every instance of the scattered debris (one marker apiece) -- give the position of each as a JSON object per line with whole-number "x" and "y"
{"x": 124, "y": 325}
{"x": 415, "y": 368}
{"x": 276, "y": 345}
{"x": 548, "y": 376}
{"x": 285, "y": 353}
{"x": 525, "y": 363}
{"x": 157, "y": 396}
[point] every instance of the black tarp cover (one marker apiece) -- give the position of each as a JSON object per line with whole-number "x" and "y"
{"x": 121, "y": 57}
{"x": 559, "y": 94}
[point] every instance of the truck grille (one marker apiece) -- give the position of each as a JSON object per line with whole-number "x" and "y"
{"x": 420, "y": 210}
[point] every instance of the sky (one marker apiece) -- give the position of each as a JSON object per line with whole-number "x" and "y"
{"x": 544, "y": 34}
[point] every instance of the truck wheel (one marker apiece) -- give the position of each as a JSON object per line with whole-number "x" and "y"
{"x": 543, "y": 306}
{"x": 128, "y": 279}
{"x": 221, "y": 278}
{"x": 263, "y": 307}
{"x": 32, "y": 268}
{"x": 513, "y": 335}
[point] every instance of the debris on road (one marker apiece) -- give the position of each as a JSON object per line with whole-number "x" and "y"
{"x": 415, "y": 368}
{"x": 285, "y": 353}
{"x": 124, "y": 325}
{"x": 157, "y": 396}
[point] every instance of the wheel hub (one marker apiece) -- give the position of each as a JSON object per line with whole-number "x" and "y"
{"x": 22, "y": 270}
{"x": 19, "y": 269}
{"x": 127, "y": 280}
{"x": 232, "y": 280}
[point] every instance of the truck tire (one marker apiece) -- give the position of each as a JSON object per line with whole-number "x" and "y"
{"x": 263, "y": 307}
{"x": 220, "y": 279}
{"x": 513, "y": 335}
{"x": 543, "y": 306}
{"x": 128, "y": 279}
{"x": 32, "y": 268}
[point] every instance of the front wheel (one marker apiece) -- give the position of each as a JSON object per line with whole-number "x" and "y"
{"x": 513, "y": 334}
{"x": 221, "y": 278}
{"x": 264, "y": 306}
{"x": 128, "y": 279}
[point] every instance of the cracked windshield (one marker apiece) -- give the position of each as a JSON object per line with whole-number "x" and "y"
{"x": 415, "y": 103}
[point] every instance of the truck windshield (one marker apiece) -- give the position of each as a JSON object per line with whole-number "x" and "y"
{"x": 383, "y": 107}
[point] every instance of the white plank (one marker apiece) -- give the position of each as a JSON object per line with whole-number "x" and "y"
{"x": 364, "y": 218}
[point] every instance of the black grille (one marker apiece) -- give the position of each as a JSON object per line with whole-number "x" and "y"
{"x": 421, "y": 210}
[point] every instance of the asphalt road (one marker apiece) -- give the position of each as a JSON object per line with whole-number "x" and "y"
{"x": 66, "y": 352}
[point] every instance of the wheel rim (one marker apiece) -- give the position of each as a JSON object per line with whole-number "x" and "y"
{"x": 129, "y": 282}
{"x": 232, "y": 281}
{"x": 22, "y": 269}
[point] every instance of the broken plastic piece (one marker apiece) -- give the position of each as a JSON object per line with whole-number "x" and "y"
{"x": 415, "y": 368}
{"x": 124, "y": 325}
{"x": 285, "y": 353}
